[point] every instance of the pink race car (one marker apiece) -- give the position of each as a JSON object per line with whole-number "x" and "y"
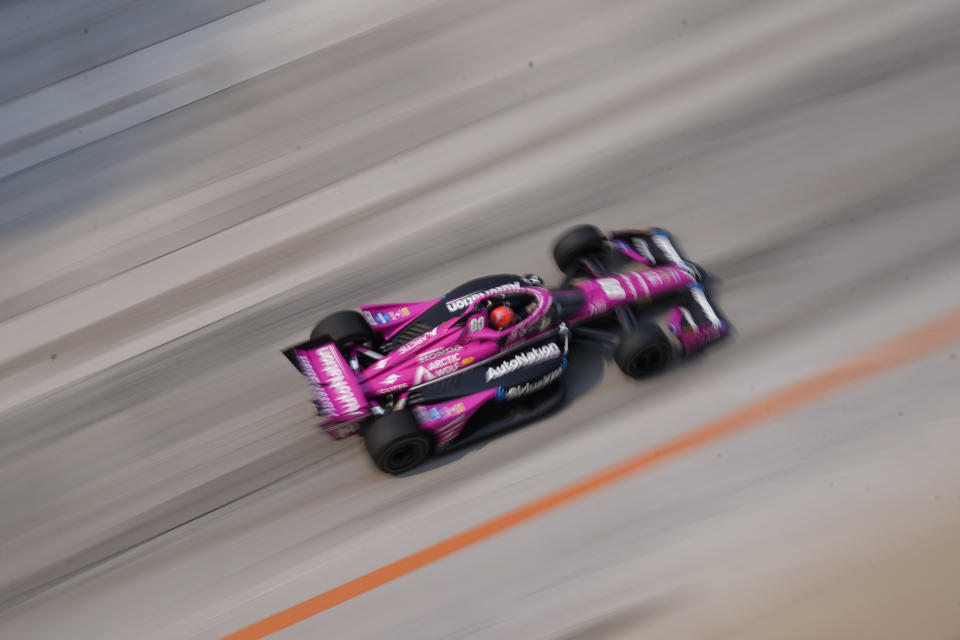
{"x": 421, "y": 377}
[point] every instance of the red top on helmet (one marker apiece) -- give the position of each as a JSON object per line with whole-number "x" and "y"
{"x": 501, "y": 317}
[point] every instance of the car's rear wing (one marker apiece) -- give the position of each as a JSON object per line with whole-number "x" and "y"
{"x": 337, "y": 394}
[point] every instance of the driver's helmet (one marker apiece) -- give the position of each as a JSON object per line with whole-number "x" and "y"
{"x": 502, "y": 317}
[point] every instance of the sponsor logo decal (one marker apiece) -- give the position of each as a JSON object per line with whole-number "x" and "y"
{"x": 433, "y": 371}
{"x": 467, "y": 360}
{"x": 477, "y": 323}
{"x": 386, "y": 317}
{"x": 323, "y": 400}
{"x": 345, "y": 431}
{"x": 336, "y": 381}
{"x": 307, "y": 369}
{"x": 459, "y": 304}
{"x": 444, "y": 361}
{"x": 612, "y": 288}
{"x": 438, "y": 412}
{"x": 421, "y": 375}
{"x": 396, "y": 387}
{"x": 390, "y": 379}
{"x": 598, "y": 307}
{"x": 435, "y": 353}
{"x": 416, "y": 342}
{"x": 701, "y": 298}
{"x": 653, "y": 277}
{"x": 642, "y": 248}
{"x": 450, "y": 431}
{"x": 525, "y": 359}
{"x": 636, "y": 277}
{"x": 530, "y": 387}
{"x": 445, "y": 371}
{"x": 663, "y": 243}
{"x": 442, "y": 366}
{"x": 633, "y": 290}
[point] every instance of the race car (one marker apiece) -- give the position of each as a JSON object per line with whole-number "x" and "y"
{"x": 419, "y": 378}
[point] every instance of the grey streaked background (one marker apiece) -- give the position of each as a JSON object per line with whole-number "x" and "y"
{"x": 185, "y": 187}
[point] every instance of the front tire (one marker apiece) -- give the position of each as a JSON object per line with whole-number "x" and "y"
{"x": 644, "y": 351}
{"x": 396, "y": 443}
{"x": 575, "y": 244}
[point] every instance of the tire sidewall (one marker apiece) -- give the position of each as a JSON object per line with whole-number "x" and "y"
{"x": 396, "y": 443}
{"x": 403, "y": 455}
{"x": 575, "y": 244}
{"x": 644, "y": 351}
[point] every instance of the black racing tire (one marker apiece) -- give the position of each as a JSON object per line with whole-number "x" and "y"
{"x": 576, "y": 243}
{"x": 396, "y": 443}
{"x": 644, "y": 351}
{"x": 344, "y": 328}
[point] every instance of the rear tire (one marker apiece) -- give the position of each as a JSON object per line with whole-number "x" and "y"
{"x": 396, "y": 443}
{"x": 576, "y": 243}
{"x": 644, "y": 351}
{"x": 345, "y": 328}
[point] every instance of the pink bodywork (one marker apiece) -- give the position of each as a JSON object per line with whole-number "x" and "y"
{"x": 335, "y": 387}
{"x": 693, "y": 338}
{"x": 629, "y": 288}
{"x": 446, "y": 349}
{"x": 436, "y": 353}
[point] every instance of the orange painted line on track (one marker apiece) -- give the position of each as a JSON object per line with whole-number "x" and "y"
{"x": 879, "y": 359}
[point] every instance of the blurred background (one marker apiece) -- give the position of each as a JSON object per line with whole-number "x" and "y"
{"x": 186, "y": 186}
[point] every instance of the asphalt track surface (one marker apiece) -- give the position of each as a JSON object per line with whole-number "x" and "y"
{"x": 186, "y": 187}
